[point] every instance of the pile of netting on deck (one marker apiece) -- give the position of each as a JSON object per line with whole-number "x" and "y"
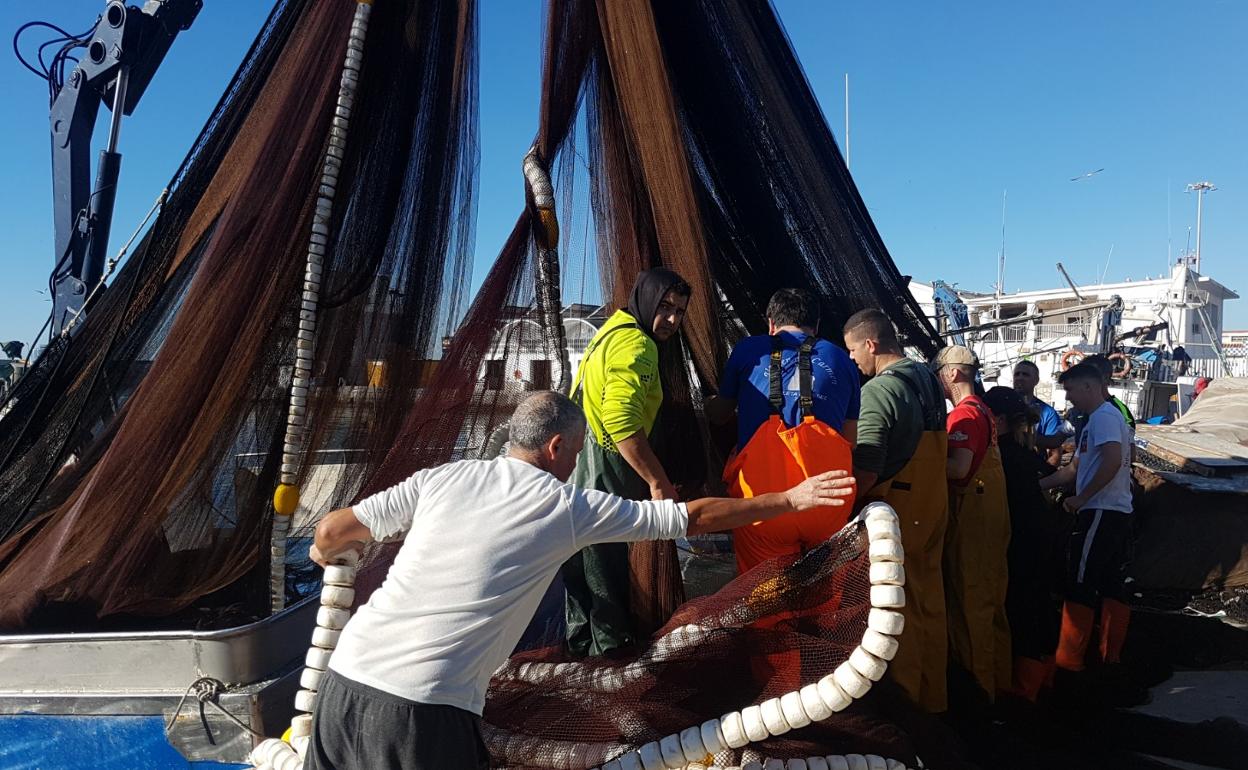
{"x": 780, "y": 626}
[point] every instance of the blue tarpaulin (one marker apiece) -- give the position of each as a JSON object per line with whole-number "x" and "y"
{"x": 44, "y": 742}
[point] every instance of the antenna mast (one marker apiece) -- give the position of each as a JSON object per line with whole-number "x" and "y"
{"x": 846, "y": 121}
{"x": 1200, "y": 188}
{"x": 1001, "y": 256}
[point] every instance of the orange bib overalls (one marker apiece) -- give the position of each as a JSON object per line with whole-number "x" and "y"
{"x": 777, "y": 458}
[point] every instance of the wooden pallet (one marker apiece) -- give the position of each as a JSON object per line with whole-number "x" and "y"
{"x": 1191, "y": 452}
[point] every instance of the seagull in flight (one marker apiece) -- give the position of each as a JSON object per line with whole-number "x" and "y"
{"x": 1085, "y": 176}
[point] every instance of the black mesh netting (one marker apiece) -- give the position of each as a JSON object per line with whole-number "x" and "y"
{"x": 139, "y": 458}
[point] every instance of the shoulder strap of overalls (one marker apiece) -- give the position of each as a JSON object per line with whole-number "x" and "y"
{"x": 805, "y": 385}
{"x": 804, "y": 377}
{"x": 984, "y": 412}
{"x": 589, "y": 351}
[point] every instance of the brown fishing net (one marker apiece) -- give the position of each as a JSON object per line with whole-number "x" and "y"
{"x": 138, "y": 458}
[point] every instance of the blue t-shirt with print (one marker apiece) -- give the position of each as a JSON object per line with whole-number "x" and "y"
{"x": 835, "y": 384}
{"x": 1050, "y": 421}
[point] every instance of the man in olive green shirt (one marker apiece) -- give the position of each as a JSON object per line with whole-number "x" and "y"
{"x": 892, "y": 418}
{"x": 900, "y": 459}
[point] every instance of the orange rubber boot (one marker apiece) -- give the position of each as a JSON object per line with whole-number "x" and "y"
{"x": 1076, "y": 634}
{"x": 1115, "y": 617}
{"x": 1030, "y": 676}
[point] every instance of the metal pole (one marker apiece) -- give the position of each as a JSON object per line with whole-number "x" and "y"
{"x": 1200, "y": 199}
{"x": 1001, "y": 259}
{"x": 847, "y": 121}
{"x": 119, "y": 106}
{"x": 1069, "y": 282}
{"x": 1200, "y": 188}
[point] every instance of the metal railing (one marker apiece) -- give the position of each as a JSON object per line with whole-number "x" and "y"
{"x": 1213, "y": 368}
{"x": 1014, "y": 333}
{"x": 1059, "y": 331}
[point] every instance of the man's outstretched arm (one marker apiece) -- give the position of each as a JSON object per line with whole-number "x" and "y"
{"x": 716, "y": 514}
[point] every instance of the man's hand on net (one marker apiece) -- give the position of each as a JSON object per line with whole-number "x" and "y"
{"x": 829, "y": 488}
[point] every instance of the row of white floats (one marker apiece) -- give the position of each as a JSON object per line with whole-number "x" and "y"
{"x": 337, "y": 596}
{"x": 829, "y": 762}
{"x": 305, "y": 338}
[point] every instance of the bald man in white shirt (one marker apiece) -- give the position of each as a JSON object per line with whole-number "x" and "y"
{"x": 484, "y": 538}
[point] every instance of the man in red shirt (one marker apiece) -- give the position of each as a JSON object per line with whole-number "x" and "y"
{"x": 979, "y": 530}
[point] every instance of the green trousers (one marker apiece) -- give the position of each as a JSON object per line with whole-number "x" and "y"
{"x": 596, "y": 579}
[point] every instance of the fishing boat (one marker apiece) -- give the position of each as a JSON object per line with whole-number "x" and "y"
{"x": 1163, "y": 334}
{"x": 295, "y": 330}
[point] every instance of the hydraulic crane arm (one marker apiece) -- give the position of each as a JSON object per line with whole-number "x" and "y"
{"x": 125, "y": 49}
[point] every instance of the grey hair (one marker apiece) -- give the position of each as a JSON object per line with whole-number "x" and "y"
{"x": 541, "y": 417}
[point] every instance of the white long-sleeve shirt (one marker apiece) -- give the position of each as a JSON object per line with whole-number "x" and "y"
{"x": 485, "y": 538}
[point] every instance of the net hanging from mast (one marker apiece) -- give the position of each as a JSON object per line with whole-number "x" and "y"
{"x": 139, "y": 462}
{"x": 137, "y": 459}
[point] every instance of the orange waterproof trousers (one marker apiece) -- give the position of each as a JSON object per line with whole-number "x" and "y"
{"x": 778, "y": 458}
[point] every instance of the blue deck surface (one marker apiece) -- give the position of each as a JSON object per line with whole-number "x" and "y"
{"x": 41, "y": 742}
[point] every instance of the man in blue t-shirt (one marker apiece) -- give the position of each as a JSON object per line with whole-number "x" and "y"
{"x": 806, "y": 425}
{"x": 1050, "y": 430}
{"x": 793, "y": 315}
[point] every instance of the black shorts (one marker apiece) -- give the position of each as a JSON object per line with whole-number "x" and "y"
{"x": 1098, "y": 555}
{"x": 357, "y": 727}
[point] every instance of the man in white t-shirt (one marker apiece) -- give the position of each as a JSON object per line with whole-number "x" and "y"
{"x": 1100, "y": 544}
{"x": 482, "y": 541}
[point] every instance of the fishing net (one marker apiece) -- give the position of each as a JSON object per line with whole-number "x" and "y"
{"x": 739, "y": 209}
{"x": 780, "y": 626}
{"x": 138, "y": 458}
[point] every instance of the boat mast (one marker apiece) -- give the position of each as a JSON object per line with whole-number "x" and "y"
{"x": 1200, "y": 188}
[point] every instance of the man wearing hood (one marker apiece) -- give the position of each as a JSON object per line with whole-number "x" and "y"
{"x": 618, "y": 387}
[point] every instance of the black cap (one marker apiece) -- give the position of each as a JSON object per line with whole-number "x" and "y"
{"x": 1006, "y": 402}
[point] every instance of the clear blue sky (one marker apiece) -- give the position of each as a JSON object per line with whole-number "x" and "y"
{"x": 951, "y": 104}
